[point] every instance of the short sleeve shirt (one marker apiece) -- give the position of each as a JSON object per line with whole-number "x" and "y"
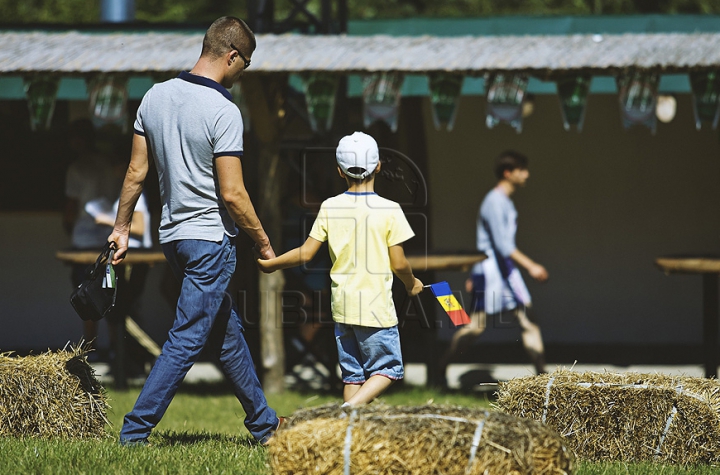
{"x": 359, "y": 229}
{"x": 188, "y": 122}
{"x": 497, "y": 224}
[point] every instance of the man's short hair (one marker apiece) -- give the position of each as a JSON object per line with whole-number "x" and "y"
{"x": 509, "y": 160}
{"x": 225, "y": 31}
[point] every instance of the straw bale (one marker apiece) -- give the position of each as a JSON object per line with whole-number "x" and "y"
{"x": 418, "y": 440}
{"x": 623, "y": 416}
{"x": 55, "y": 394}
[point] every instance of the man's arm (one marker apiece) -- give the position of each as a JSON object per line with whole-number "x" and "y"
{"x": 504, "y": 242}
{"x": 535, "y": 270}
{"x": 131, "y": 190}
{"x": 401, "y": 268}
{"x": 293, "y": 258}
{"x": 238, "y": 203}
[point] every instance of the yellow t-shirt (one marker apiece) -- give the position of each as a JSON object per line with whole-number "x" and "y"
{"x": 359, "y": 229}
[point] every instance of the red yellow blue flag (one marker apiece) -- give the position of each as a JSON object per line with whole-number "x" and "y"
{"x": 449, "y": 303}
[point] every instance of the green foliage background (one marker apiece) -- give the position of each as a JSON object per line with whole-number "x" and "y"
{"x": 88, "y": 11}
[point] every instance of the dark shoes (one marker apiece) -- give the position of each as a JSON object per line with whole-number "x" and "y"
{"x": 135, "y": 443}
{"x": 268, "y": 440}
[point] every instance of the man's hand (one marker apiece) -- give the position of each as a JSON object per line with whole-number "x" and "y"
{"x": 416, "y": 288}
{"x": 535, "y": 270}
{"x": 262, "y": 263}
{"x": 264, "y": 252}
{"x": 469, "y": 285}
{"x": 538, "y": 272}
{"x": 121, "y": 240}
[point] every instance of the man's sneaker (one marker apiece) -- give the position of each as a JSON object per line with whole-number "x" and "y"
{"x": 135, "y": 443}
{"x": 281, "y": 422}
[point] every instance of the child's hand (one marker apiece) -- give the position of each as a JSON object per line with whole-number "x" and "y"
{"x": 265, "y": 265}
{"x": 416, "y": 288}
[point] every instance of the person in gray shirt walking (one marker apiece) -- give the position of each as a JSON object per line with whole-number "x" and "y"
{"x": 194, "y": 132}
{"x": 496, "y": 284}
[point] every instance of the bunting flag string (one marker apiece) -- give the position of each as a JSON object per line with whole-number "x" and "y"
{"x": 638, "y": 92}
{"x": 505, "y": 94}
{"x": 108, "y": 100}
{"x": 41, "y": 93}
{"x": 445, "y": 91}
{"x": 381, "y": 98}
{"x": 706, "y": 94}
{"x": 320, "y": 93}
{"x": 573, "y": 92}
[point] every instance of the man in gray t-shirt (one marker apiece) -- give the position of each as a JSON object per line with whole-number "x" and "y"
{"x": 194, "y": 132}
{"x": 185, "y": 147}
{"x": 496, "y": 284}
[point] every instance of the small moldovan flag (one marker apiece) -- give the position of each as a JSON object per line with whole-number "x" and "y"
{"x": 449, "y": 303}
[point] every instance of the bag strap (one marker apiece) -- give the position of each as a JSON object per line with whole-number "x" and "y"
{"x": 106, "y": 253}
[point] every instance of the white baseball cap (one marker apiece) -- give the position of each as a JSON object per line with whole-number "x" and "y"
{"x": 358, "y": 150}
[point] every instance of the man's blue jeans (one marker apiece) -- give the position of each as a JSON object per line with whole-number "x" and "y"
{"x": 205, "y": 316}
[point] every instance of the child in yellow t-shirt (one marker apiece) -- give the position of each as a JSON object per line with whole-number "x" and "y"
{"x": 365, "y": 234}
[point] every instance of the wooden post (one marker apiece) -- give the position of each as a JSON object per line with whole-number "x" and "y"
{"x": 265, "y": 97}
{"x": 710, "y": 324}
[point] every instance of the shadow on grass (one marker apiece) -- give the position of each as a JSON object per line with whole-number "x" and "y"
{"x": 172, "y": 438}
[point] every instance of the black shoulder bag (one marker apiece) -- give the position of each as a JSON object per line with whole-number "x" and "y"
{"x": 95, "y": 296}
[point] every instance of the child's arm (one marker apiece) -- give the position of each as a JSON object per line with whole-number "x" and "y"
{"x": 295, "y": 257}
{"x": 401, "y": 267}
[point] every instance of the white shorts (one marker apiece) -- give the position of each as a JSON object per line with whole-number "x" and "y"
{"x": 497, "y": 285}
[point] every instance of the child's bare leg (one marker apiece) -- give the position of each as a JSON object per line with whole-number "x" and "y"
{"x": 532, "y": 341}
{"x": 468, "y": 332}
{"x": 369, "y": 390}
{"x": 461, "y": 341}
{"x": 349, "y": 390}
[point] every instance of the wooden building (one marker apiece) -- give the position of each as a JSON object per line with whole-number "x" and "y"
{"x": 601, "y": 204}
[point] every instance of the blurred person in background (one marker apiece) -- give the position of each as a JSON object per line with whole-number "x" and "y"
{"x": 497, "y": 287}
{"x": 89, "y": 178}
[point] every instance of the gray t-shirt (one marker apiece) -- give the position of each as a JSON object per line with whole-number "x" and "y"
{"x": 497, "y": 224}
{"x": 189, "y": 121}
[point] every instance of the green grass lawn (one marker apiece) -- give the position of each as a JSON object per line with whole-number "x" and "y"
{"x": 202, "y": 432}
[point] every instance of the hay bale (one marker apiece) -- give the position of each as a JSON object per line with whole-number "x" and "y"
{"x": 625, "y": 416}
{"x": 51, "y": 395}
{"x": 421, "y": 440}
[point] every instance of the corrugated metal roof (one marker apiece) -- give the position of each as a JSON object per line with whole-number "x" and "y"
{"x": 75, "y": 52}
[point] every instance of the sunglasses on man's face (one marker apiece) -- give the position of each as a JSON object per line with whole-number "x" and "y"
{"x": 247, "y": 61}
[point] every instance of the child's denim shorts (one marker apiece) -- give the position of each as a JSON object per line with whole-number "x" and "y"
{"x": 368, "y": 351}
